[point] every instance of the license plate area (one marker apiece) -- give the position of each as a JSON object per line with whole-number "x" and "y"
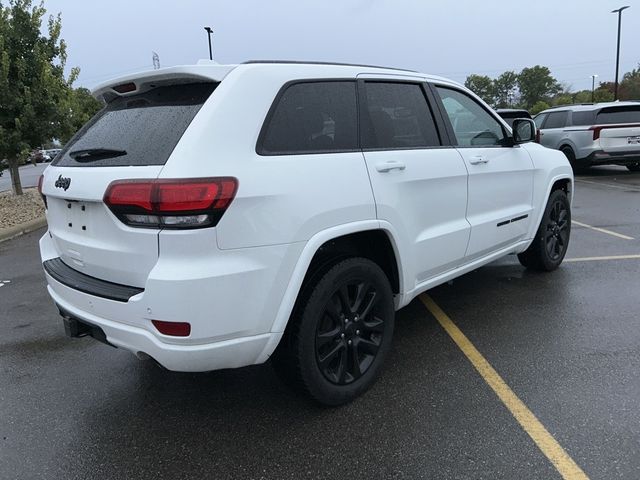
{"x": 633, "y": 140}
{"x": 77, "y": 216}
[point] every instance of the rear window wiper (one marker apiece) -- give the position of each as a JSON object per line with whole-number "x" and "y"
{"x": 91, "y": 154}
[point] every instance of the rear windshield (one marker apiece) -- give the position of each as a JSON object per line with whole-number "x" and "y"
{"x": 627, "y": 114}
{"x": 136, "y": 130}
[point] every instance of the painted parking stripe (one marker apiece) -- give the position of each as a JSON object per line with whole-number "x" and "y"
{"x": 600, "y": 259}
{"x": 527, "y": 420}
{"x": 610, "y": 185}
{"x": 602, "y": 230}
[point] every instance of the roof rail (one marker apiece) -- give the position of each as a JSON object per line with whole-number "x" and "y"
{"x": 311, "y": 62}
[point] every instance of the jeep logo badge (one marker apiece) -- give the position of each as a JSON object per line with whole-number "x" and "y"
{"x": 63, "y": 183}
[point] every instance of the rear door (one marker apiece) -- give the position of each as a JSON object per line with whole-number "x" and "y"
{"x": 500, "y": 176}
{"x": 131, "y": 138}
{"x": 419, "y": 183}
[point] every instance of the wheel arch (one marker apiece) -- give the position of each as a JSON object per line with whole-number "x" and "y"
{"x": 367, "y": 239}
{"x": 561, "y": 181}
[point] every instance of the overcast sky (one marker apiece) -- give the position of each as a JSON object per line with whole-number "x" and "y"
{"x": 574, "y": 38}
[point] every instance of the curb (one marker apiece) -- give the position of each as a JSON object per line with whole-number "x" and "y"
{"x": 17, "y": 230}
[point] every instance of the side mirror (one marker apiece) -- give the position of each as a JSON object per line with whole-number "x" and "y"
{"x": 524, "y": 130}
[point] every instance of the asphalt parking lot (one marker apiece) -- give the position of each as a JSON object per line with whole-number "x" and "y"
{"x": 566, "y": 344}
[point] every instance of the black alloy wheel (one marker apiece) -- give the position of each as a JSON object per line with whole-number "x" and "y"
{"x": 350, "y": 332}
{"x": 549, "y": 246}
{"x": 339, "y": 332}
{"x": 557, "y": 230}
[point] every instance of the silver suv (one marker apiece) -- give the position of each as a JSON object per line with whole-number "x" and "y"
{"x": 593, "y": 134}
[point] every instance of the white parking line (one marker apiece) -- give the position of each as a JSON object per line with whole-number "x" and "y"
{"x": 596, "y": 259}
{"x": 610, "y": 185}
{"x": 603, "y": 230}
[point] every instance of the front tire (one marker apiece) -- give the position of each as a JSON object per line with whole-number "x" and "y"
{"x": 339, "y": 333}
{"x": 550, "y": 244}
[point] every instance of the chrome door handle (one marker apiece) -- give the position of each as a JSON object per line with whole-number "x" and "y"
{"x": 478, "y": 160}
{"x": 388, "y": 166}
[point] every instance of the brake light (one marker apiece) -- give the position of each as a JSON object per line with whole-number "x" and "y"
{"x": 180, "y": 203}
{"x": 44, "y": 198}
{"x": 125, "y": 87}
{"x": 175, "y": 329}
{"x": 596, "y": 132}
{"x": 538, "y": 135}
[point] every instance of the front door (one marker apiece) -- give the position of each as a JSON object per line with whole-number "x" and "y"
{"x": 500, "y": 175}
{"x": 420, "y": 186}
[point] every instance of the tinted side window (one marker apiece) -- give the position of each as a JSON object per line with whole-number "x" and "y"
{"x": 312, "y": 117}
{"x": 472, "y": 124}
{"x": 556, "y": 120}
{"x": 583, "y": 118}
{"x": 539, "y": 119}
{"x": 397, "y": 116}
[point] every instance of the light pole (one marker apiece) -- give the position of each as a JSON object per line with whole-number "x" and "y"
{"x": 209, "y": 32}
{"x": 619, "y": 12}
{"x": 593, "y": 88}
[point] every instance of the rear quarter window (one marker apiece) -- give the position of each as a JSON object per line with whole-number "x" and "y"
{"x": 311, "y": 117}
{"x": 146, "y": 127}
{"x": 583, "y": 118}
{"x": 622, "y": 114}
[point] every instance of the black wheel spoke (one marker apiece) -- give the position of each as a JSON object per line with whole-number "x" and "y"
{"x": 343, "y": 295}
{"x": 368, "y": 347}
{"x": 328, "y": 358}
{"x": 326, "y": 337}
{"x": 375, "y": 325}
{"x": 367, "y": 305}
{"x": 355, "y": 362}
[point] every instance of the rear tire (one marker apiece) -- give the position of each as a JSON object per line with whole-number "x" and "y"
{"x": 549, "y": 246}
{"x": 339, "y": 333}
{"x": 635, "y": 167}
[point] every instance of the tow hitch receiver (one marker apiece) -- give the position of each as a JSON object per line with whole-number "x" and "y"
{"x": 77, "y": 328}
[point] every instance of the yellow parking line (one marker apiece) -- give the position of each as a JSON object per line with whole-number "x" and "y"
{"x": 603, "y": 230}
{"x": 595, "y": 259}
{"x": 538, "y": 433}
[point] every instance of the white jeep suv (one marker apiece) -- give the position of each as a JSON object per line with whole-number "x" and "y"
{"x": 217, "y": 216}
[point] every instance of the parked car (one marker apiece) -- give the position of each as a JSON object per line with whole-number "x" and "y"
{"x": 593, "y": 134}
{"x": 510, "y": 114}
{"x": 51, "y": 153}
{"x": 217, "y": 216}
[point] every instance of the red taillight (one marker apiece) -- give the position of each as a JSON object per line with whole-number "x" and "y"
{"x": 181, "y": 203}
{"x": 538, "y": 135}
{"x": 44, "y": 199}
{"x": 174, "y": 329}
{"x": 596, "y": 132}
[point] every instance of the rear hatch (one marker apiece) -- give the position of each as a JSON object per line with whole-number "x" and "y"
{"x": 131, "y": 138}
{"x": 618, "y": 129}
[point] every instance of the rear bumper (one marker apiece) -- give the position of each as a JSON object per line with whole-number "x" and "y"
{"x": 230, "y": 299}
{"x": 600, "y": 157}
{"x": 233, "y": 353}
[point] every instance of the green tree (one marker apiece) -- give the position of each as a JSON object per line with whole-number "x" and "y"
{"x": 536, "y": 84}
{"x": 80, "y": 107}
{"x": 538, "y": 107}
{"x": 33, "y": 88}
{"x": 631, "y": 84}
{"x": 505, "y": 88}
{"x": 482, "y": 86}
{"x": 562, "y": 99}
